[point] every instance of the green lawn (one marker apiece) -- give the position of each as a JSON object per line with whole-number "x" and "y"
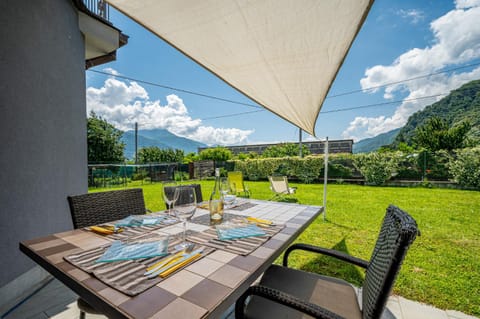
{"x": 442, "y": 268}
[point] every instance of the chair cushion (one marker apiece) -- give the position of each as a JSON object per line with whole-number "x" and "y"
{"x": 85, "y": 307}
{"x": 333, "y": 294}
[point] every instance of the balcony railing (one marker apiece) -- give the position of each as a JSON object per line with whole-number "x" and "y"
{"x": 98, "y": 7}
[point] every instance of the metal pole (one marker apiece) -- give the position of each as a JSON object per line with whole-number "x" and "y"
{"x": 424, "y": 164}
{"x": 300, "y": 153}
{"x": 325, "y": 178}
{"x": 136, "y": 142}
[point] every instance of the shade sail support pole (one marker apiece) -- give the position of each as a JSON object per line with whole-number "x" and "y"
{"x": 300, "y": 147}
{"x": 325, "y": 178}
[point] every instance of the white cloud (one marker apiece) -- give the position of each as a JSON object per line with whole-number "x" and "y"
{"x": 122, "y": 104}
{"x": 463, "y": 4}
{"x": 414, "y": 15}
{"x": 111, "y": 71}
{"x": 456, "y": 42}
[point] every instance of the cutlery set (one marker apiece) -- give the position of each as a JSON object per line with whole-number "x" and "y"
{"x": 174, "y": 262}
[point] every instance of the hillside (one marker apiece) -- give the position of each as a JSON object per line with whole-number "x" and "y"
{"x": 372, "y": 144}
{"x": 160, "y": 138}
{"x": 460, "y": 105}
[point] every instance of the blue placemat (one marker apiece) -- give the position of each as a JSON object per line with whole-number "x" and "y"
{"x": 135, "y": 221}
{"x": 127, "y": 251}
{"x": 235, "y": 231}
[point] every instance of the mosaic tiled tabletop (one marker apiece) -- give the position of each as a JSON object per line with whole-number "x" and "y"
{"x": 204, "y": 289}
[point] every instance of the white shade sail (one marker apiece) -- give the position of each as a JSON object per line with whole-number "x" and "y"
{"x": 283, "y": 54}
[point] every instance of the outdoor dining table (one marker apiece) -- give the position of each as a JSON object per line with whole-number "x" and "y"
{"x": 206, "y": 288}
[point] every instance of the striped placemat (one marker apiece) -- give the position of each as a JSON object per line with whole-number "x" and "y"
{"x": 137, "y": 230}
{"x": 239, "y": 205}
{"x": 242, "y": 206}
{"x": 205, "y": 219}
{"x": 240, "y": 246}
{"x": 126, "y": 276}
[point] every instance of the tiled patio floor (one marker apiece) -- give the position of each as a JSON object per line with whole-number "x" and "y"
{"x": 57, "y": 301}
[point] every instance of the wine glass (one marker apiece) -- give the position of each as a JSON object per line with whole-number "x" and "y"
{"x": 170, "y": 196}
{"x": 228, "y": 196}
{"x": 185, "y": 208}
{"x": 224, "y": 186}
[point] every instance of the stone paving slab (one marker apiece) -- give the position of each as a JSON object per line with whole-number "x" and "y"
{"x": 57, "y": 301}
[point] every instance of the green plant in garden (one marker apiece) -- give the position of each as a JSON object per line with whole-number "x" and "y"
{"x": 377, "y": 168}
{"x": 216, "y": 154}
{"x": 190, "y": 158}
{"x": 244, "y": 156}
{"x": 103, "y": 141}
{"x": 154, "y": 154}
{"x": 308, "y": 169}
{"x": 285, "y": 149}
{"x": 436, "y": 134}
{"x": 465, "y": 168}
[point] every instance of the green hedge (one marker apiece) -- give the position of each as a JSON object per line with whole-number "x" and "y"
{"x": 465, "y": 167}
{"x": 375, "y": 168}
{"x": 306, "y": 169}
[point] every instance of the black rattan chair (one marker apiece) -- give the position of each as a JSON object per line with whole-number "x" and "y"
{"x": 103, "y": 207}
{"x": 288, "y": 293}
{"x": 182, "y": 196}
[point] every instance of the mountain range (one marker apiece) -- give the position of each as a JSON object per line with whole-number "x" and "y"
{"x": 160, "y": 138}
{"x": 462, "y": 104}
{"x": 374, "y": 143}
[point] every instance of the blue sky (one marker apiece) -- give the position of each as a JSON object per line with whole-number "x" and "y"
{"x": 399, "y": 40}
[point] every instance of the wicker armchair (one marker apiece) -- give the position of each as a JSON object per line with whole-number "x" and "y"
{"x": 97, "y": 208}
{"x": 288, "y": 293}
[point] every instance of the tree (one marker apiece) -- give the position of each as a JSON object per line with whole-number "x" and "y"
{"x": 103, "y": 141}
{"x": 283, "y": 150}
{"x": 190, "y": 158}
{"x": 436, "y": 134}
{"x": 218, "y": 153}
{"x": 376, "y": 167}
{"x": 154, "y": 154}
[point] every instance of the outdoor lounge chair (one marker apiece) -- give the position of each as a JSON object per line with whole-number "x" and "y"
{"x": 279, "y": 185}
{"x": 103, "y": 207}
{"x": 235, "y": 181}
{"x": 288, "y": 293}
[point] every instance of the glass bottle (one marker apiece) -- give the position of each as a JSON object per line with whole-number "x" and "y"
{"x": 215, "y": 204}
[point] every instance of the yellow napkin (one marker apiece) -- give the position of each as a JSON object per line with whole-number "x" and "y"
{"x": 105, "y": 229}
{"x": 166, "y": 261}
{"x": 180, "y": 265}
{"x": 259, "y": 221}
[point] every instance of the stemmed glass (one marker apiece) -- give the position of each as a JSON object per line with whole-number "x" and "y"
{"x": 228, "y": 195}
{"x": 185, "y": 208}
{"x": 224, "y": 186}
{"x": 170, "y": 196}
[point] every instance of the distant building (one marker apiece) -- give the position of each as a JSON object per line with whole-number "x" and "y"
{"x": 315, "y": 147}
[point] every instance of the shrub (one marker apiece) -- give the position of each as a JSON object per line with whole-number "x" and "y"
{"x": 216, "y": 154}
{"x": 377, "y": 168}
{"x": 308, "y": 168}
{"x": 465, "y": 168}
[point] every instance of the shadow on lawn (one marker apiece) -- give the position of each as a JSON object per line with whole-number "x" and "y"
{"x": 329, "y": 266}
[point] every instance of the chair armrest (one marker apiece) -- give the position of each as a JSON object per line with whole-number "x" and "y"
{"x": 284, "y": 299}
{"x": 325, "y": 251}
